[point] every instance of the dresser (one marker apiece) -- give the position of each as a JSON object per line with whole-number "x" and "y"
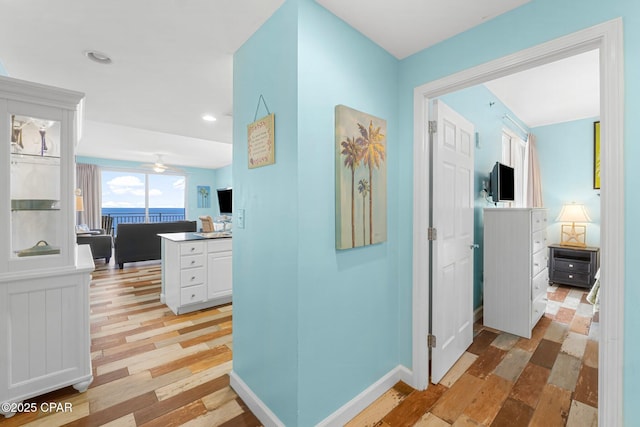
{"x": 196, "y": 271}
{"x": 515, "y": 269}
{"x": 573, "y": 266}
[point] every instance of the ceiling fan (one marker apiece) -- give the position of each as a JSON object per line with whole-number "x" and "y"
{"x": 159, "y": 166}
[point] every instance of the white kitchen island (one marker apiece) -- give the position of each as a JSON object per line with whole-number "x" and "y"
{"x": 196, "y": 270}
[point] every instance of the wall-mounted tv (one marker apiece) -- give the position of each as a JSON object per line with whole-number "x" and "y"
{"x": 225, "y": 201}
{"x": 501, "y": 183}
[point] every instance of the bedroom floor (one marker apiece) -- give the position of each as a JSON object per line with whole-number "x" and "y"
{"x": 503, "y": 380}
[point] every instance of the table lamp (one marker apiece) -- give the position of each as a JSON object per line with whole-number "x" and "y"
{"x": 79, "y": 205}
{"x": 572, "y": 234}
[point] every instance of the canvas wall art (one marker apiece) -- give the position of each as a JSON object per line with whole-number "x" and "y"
{"x": 596, "y": 155}
{"x": 204, "y": 196}
{"x": 361, "y": 178}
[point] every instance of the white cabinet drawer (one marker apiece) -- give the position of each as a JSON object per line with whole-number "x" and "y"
{"x": 539, "y": 284}
{"x": 193, "y": 294}
{"x": 538, "y": 308}
{"x": 192, "y": 276}
{"x": 538, "y": 241}
{"x": 219, "y": 245}
{"x": 192, "y": 248}
{"x": 538, "y": 219}
{"x": 190, "y": 261}
{"x": 539, "y": 262}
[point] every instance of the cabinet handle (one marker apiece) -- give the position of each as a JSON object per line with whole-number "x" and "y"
{"x": 193, "y": 296}
{"x": 571, "y": 276}
{"x": 192, "y": 249}
{"x": 193, "y": 278}
{"x": 193, "y": 261}
{"x": 570, "y": 265}
{"x": 536, "y": 264}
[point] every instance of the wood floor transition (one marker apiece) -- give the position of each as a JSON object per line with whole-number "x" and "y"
{"x": 153, "y": 368}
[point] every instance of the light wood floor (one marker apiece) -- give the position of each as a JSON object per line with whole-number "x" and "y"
{"x": 152, "y": 368}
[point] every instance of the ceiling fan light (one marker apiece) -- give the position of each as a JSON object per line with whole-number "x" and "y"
{"x": 159, "y": 168}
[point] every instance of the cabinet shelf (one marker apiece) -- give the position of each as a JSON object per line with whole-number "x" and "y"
{"x": 33, "y": 156}
{"x": 35, "y": 205}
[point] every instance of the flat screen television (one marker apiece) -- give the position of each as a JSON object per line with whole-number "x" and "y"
{"x": 225, "y": 201}
{"x": 501, "y": 183}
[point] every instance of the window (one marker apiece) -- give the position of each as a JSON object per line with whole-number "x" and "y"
{"x": 513, "y": 154}
{"x": 134, "y": 196}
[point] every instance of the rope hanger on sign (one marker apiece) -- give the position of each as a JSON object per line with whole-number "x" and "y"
{"x": 255, "y": 116}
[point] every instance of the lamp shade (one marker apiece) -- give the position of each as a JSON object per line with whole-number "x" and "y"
{"x": 79, "y": 204}
{"x": 573, "y": 212}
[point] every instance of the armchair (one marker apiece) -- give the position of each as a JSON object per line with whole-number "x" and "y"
{"x": 101, "y": 243}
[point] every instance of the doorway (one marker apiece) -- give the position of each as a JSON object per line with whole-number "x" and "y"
{"x": 607, "y": 38}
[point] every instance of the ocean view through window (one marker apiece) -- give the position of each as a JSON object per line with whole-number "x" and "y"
{"x": 133, "y": 196}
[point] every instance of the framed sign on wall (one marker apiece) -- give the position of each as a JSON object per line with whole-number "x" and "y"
{"x": 261, "y": 142}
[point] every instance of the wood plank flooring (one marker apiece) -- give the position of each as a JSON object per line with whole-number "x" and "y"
{"x": 506, "y": 381}
{"x": 152, "y": 368}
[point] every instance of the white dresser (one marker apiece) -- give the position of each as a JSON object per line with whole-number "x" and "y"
{"x": 196, "y": 271}
{"x": 515, "y": 269}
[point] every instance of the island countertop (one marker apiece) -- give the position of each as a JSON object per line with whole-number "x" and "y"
{"x": 184, "y": 237}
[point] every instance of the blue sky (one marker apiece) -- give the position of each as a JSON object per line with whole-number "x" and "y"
{"x": 125, "y": 189}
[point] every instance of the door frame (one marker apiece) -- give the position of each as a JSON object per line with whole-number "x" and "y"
{"x": 608, "y": 38}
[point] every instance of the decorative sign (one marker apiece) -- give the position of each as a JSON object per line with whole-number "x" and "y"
{"x": 261, "y": 140}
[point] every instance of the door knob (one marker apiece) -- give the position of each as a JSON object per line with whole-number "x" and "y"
{"x": 474, "y": 246}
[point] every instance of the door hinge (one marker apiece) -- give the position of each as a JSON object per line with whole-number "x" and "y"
{"x": 431, "y": 341}
{"x": 432, "y": 233}
{"x": 433, "y": 126}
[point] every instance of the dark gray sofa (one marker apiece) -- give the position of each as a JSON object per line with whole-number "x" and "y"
{"x": 101, "y": 245}
{"x": 140, "y": 242}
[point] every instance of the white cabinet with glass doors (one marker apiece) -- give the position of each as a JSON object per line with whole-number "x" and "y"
{"x": 44, "y": 276}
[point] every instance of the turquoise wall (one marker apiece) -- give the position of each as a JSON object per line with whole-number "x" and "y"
{"x": 265, "y": 251}
{"x": 194, "y": 177}
{"x": 481, "y": 107}
{"x": 312, "y": 325}
{"x": 224, "y": 177}
{"x": 565, "y": 151}
{"x": 529, "y": 25}
{"x": 347, "y": 299}
{"x": 3, "y": 71}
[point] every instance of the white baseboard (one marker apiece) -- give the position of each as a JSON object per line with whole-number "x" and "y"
{"x": 340, "y": 417}
{"x": 257, "y": 406}
{"x": 477, "y": 314}
{"x": 356, "y": 405}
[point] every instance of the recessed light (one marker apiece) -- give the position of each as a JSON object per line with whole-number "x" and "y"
{"x": 208, "y": 118}
{"x": 99, "y": 57}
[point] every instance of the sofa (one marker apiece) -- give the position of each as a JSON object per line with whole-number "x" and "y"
{"x": 140, "y": 241}
{"x": 100, "y": 244}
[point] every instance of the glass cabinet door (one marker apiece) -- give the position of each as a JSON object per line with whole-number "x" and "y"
{"x": 35, "y": 186}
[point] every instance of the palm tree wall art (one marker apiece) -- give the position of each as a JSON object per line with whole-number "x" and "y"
{"x": 360, "y": 160}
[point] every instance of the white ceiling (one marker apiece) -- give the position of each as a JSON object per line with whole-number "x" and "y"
{"x": 558, "y": 92}
{"x": 404, "y": 27}
{"x": 172, "y": 61}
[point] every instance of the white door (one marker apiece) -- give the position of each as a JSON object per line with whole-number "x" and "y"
{"x": 452, "y": 217}
{"x": 219, "y": 274}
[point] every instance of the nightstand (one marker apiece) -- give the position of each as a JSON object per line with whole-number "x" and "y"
{"x": 573, "y": 266}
